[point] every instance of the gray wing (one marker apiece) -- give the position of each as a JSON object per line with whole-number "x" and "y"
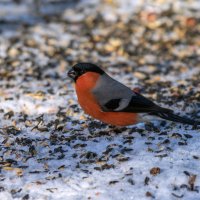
{"x": 108, "y": 89}
{"x": 113, "y": 96}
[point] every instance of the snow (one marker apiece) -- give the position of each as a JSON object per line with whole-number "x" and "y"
{"x": 85, "y": 159}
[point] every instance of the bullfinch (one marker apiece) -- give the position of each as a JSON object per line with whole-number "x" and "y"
{"x": 111, "y": 102}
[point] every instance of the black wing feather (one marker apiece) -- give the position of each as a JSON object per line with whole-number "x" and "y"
{"x": 112, "y": 104}
{"x": 138, "y": 104}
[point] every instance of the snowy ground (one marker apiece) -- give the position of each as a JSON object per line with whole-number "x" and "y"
{"x": 49, "y": 149}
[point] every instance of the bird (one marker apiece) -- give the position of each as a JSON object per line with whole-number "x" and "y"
{"x": 111, "y": 102}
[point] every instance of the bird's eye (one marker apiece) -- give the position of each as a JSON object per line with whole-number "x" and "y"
{"x": 79, "y": 70}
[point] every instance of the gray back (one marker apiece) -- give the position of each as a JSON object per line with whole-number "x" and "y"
{"x": 107, "y": 89}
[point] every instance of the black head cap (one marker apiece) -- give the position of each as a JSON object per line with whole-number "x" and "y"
{"x": 81, "y": 68}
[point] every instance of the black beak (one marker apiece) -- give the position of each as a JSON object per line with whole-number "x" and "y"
{"x": 72, "y": 74}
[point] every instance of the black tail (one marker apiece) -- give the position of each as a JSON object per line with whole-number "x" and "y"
{"x": 169, "y": 115}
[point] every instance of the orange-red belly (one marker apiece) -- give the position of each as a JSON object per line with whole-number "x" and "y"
{"x": 84, "y": 85}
